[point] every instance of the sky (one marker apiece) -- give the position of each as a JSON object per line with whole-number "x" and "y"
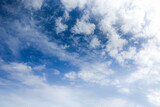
{"x": 79, "y": 53}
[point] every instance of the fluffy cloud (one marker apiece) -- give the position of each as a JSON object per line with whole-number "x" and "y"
{"x": 124, "y": 55}
{"x": 149, "y": 54}
{"x": 139, "y": 18}
{"x": 131, "y": 29}
{"x": 83, "y": 26}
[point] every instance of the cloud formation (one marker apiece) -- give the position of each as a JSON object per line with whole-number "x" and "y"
{"x": 87, "y": 44}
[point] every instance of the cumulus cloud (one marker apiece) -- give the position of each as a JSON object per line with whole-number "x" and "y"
{"x": 136, "y": 17}
{"x": 125, "y": 22}
{"x": 131, "y": 29}
{"x": 83, "y": 26}
{"x": 122, "y": 56}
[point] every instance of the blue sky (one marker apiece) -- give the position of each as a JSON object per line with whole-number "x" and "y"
{"x": 79, "y": 53}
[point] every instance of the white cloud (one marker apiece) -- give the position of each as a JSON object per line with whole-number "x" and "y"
{"x": 95, "y": 73}
{"x": 71, "y": 75}
{"x": 83, "y": 26}
{"x": 50, "y": 95}
{"x": 22, "y": 73}
{"x": 149, "y": 54}
{"x": 41, "y": 67}
{"x": 14, "y": 45}
{"x": 118, "y": 103}
{"x": 124, "y": 55}
{"x": 39, "y": 93}
{"x": 60, "y": 27}
{"x": 66, "y": 15}
{"x": 146, "y": 75}
{"x": 140, "y": 18}
{"x": 53, "y": 96}
{"x": 124, "y": 90}
{"x": 71, "y": 4}
{"x": 137, "y": 18}
{"x": 154, "y": 97}
{"x": 35, "y": 4}
{"x": 115, "y": 45}
{"x": 42, "y": 43}
{"x": 95, "y": 42}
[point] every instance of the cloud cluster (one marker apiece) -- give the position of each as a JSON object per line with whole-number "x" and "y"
{"x": 131, "y": 27}
{"x": 39, "y": 93}
{"x": 125, "y": 32}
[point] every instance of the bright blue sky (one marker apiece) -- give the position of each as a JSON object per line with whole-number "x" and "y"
{"x": 79, "y": 53}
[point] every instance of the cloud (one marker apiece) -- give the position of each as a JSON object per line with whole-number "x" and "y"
{"x": 35, "y": 4}
{"x": 118, "y": 103}
{"x": 96, "y": 73}
{"x": 54, "y": 96}
{"x": 60, "y": 27}
{"x": 71, "y": 4}
{"x": 50, "y": 95}
{"x": 39, "y": 93}
{"x": 139, "y": 18}
{"x": 122, "y": 56}
{"x": 32, "y": 36}
{"x": 41, "y": 67}
{"x": 22, "y": 73}
{"x": 149, "y": 54}
{"x": 131, "y": 30}
{"x": 154, "y": 97}
{"x": 146, "y": 75}
{"x": 124, "y": 90}
{"x": 95, "y": 42}
{"x": 14, "y": 45}
{"x": 70, "y": 75}
{"x": 56, "y": 72}
{"x": 83, "y": 26}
